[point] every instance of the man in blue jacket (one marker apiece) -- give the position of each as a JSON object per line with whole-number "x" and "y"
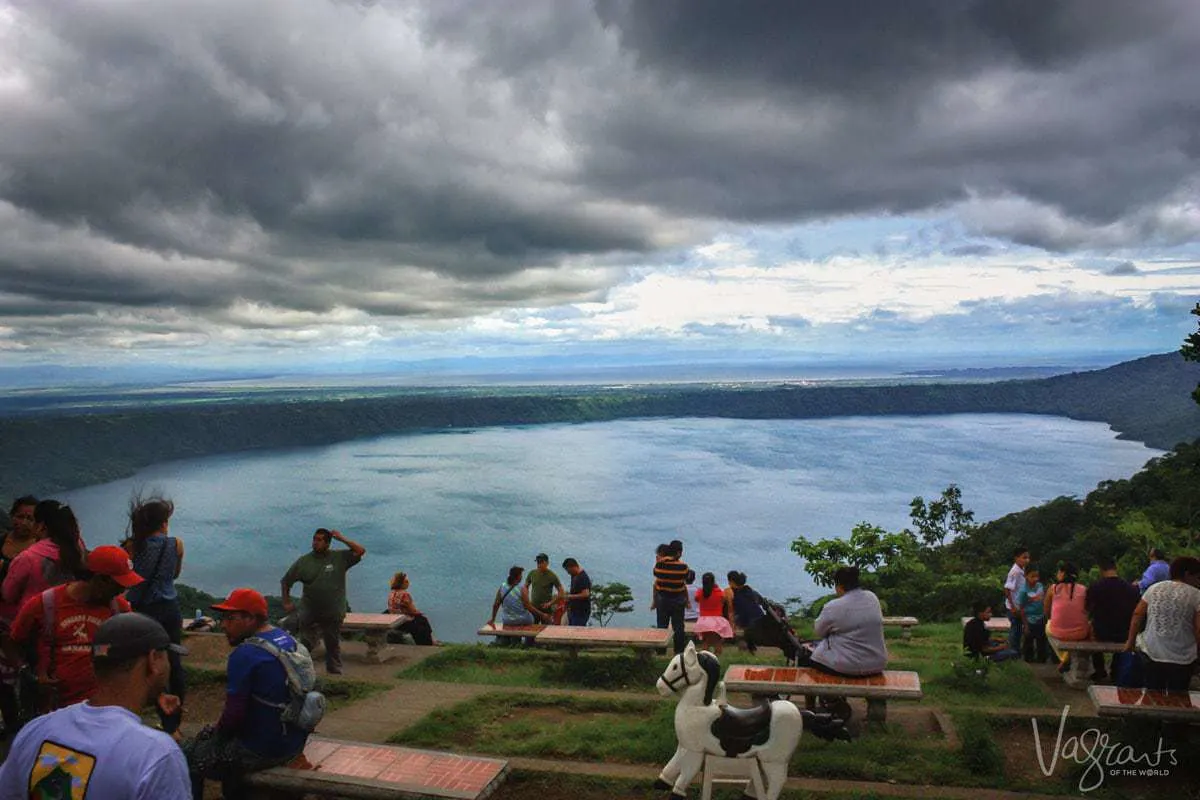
{"x": 249, "y": 736}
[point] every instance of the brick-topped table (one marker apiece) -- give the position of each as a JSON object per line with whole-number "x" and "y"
{"x": 995, "y": 624}
{"x": 1112, "y": 701}
{"x": 644, "y": 640}
{"x": 332, "y": 768}
{"x": 906, "y": 624}
{"x": 877, "y": 689}
{"x": 502, "y": 631}
{"x": 374, "y": 628}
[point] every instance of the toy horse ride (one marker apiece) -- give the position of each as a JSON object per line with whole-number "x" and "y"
{"x": 767, "y": 732}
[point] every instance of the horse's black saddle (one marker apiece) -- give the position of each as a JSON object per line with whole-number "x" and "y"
{"x": 739, "y": 729}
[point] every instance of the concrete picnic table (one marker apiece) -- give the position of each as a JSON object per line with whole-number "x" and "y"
{"x": 365, "y": 771}
{"x": 644, "y": 640}
{"x": 906, "y": 624}
{"x": 877, "y": 689}
{"x": 995, "y": 624}
{"x": 374, "y": 628}
{"x": 1113, "y": 701}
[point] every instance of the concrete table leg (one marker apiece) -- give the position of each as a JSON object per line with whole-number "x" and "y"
{"x": 906, "y": 633}
{"x": 374, "y": 641}
{"x": 876, "y": 709}
{"x": 1078, "y": 676}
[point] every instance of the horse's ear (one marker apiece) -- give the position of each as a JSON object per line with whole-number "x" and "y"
{"x": 689, "y": 653}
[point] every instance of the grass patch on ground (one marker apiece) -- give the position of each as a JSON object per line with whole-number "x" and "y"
{"x": 338, "y": 691}
{"x": 537, "y": 667}
{"x": 935, "y": 649}
{"x": 522, "y": 784}
{"x": 575, "y": 727}
{"x": 635, "y": 731}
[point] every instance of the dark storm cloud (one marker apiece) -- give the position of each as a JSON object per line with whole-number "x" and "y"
{"x": 233, "y": 162}
{"x": 779, "y": 110}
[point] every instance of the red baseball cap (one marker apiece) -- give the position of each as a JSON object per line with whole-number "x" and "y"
{"x": 244, "y": 600}
{"x": 114, "y": 562}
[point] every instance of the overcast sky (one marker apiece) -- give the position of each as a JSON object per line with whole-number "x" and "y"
{"x": 309, "y": 182}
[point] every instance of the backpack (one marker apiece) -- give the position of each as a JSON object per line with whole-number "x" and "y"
{"x": 306, "y": 707}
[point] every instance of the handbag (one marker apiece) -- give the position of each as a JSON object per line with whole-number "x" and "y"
{"x": 1129, "y": 671}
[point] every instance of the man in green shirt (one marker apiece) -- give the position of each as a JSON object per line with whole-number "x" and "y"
{"x": 323, "y": 604}
{"x": 545, "y": 591}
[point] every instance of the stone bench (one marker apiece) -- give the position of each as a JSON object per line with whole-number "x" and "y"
{"x": 905, "y": 624}
{"x": 877, "y": 689}
{"x": 993, "y": 625}
{"x": 502, "y": 631}
{"x": 1079, "y": 675}
{"x": 644, "y": 640}
{"x": 1112, "y": 701}
{"x": 332, "y": 768}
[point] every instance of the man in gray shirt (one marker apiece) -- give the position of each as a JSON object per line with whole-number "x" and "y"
{"x": 851, "y": 630}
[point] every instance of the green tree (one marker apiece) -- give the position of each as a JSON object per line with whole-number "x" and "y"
{"x": 870, "y": 548}
{"x": 942, "y": 517}
{"x": 1191, "y": 349}
{"x": 610, "y": 599}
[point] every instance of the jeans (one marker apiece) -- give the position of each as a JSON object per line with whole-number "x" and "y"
{"x": 672, "y": 607}
{"x": 1014, "y": 633}
{"x": 331, "y": 636}
{"x": 578, "y": 619}
{"x": 1003, "y": 655}
{"x": 166, "y": 613}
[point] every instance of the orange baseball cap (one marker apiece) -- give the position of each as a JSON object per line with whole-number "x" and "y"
{"x": 247, "y": 601}
{"x": 114, "y": 562}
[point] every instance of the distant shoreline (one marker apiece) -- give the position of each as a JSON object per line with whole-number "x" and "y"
{"x": 1147, "y": 400}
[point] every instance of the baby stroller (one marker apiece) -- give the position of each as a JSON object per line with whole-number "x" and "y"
{"x": 773, "y": 630}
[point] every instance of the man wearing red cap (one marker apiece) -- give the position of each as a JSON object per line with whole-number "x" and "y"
{"x": 63, "y": 621}
{"x": 249, "y": 736}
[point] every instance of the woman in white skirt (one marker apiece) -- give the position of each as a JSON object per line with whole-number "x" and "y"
{"x": 713, "y": 627}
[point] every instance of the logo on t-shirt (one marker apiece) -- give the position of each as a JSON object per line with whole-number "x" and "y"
{"x": 60, "y": 773}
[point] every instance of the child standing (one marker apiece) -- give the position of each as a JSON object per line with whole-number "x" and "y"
{"x": 1030, "y": 598}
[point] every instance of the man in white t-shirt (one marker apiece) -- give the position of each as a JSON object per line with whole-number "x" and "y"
{"x": 1170, "y": 611}
{"x": 1013, "y": 584}
{"x": 100, "y": 748}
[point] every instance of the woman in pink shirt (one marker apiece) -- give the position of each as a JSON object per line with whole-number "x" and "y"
{"x": 56, "y": 558}
{"x": 1066, "y": 610}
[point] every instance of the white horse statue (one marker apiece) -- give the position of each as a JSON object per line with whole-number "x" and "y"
{"x": 768, "y": 732}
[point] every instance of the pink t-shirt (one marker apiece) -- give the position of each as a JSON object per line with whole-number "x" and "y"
{"x": 27, "y": 576}
{"x": 1068, "y": 617}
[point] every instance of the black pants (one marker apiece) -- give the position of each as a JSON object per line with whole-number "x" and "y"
{"x": 1034, "y": 646}
{"x": 418, "y": 628}
{"x": 166, "y": 613}
{"x": 1164, "y": 677}
{"x": 671, "y": 606}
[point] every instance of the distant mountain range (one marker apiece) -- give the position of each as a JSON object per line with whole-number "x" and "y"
{"x": 1147, "y": 400}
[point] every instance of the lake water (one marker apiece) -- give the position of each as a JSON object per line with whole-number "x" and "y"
{"x": 456, "y": 509}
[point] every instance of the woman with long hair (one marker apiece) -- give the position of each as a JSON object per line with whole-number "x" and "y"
{"x": 1065, "y": 607}
{"x": 56, "y": 558}
{"x": 158, "y": 558}
{"x": 713, "y": 625}
{"x": 412, "y": 621}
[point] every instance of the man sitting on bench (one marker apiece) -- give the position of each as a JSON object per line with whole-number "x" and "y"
{"x": 975, "y": 636}
{"x": 851, "y": 631}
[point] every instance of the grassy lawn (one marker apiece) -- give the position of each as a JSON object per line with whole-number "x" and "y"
{"x": 642, "y": 732}
{"x": 535, "y": 667}
{"x": 522, "y": 785}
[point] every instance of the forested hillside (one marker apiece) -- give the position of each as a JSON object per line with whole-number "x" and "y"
{"x": 1147, "y": 399}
